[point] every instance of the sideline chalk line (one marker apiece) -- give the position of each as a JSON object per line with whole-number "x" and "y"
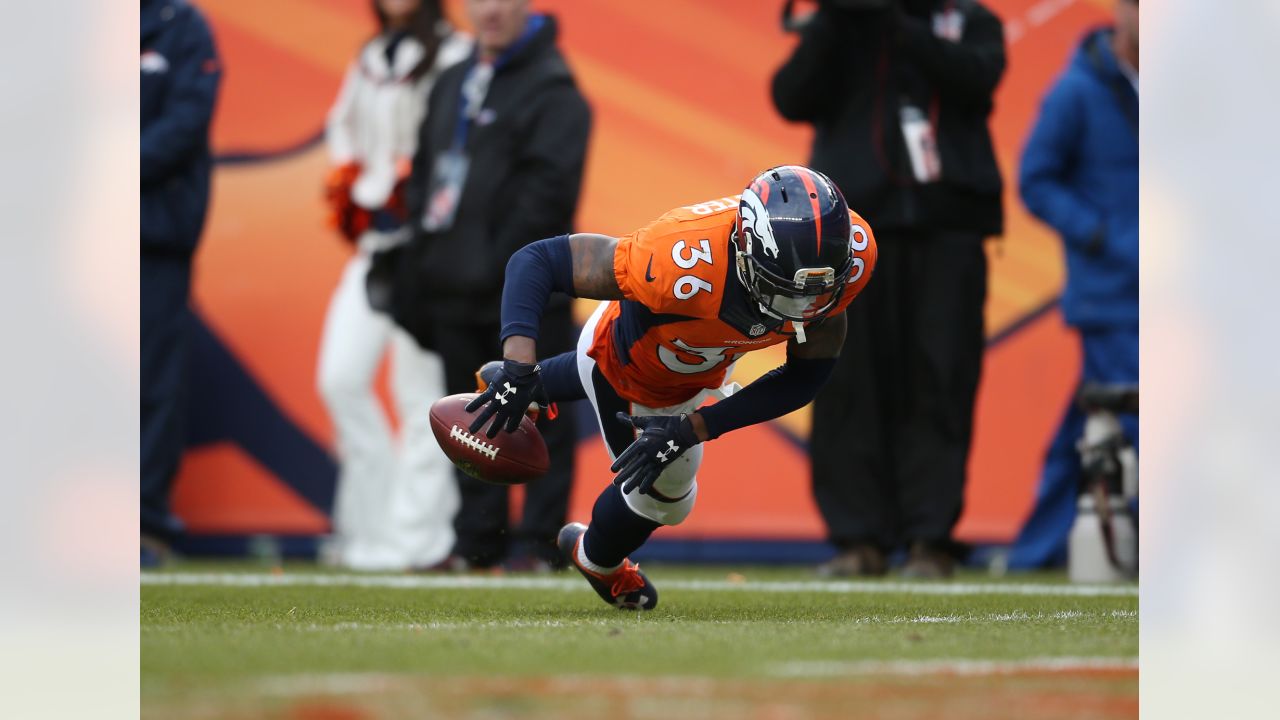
{"x": 519, "y": 623}
{"x": 375, "y": 682}
{"x": 427, "y": 582}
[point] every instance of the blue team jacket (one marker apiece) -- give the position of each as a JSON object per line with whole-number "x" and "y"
{"x": 1080, "y": 175}
{"x": 179, "y": 85}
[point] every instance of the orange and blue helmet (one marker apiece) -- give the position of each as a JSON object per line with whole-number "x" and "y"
{"x": 791, "y": 243}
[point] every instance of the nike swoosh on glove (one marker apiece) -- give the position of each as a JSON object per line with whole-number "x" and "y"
{"x": 663, "y": 438}
{"x": 517, "y": 386}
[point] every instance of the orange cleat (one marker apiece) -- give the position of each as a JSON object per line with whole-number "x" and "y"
{"x": 625, "y": 588}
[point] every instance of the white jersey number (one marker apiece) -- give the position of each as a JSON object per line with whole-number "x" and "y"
{"x": 686, "y": 257}
{"x": 688, "y": 286}
{"x": 695, "y": 255}
{"x": 858, "y": 240}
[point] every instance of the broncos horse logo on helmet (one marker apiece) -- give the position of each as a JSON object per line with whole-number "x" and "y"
{"x": 754, "y": 219}
{"x": 791, "y": 243}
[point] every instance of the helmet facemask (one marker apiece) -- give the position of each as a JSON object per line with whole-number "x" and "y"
{"x": 807, "y": 297}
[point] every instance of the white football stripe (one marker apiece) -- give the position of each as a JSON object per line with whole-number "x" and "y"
{"x": 475, "y": 443}
{"x": 463, "y": 582}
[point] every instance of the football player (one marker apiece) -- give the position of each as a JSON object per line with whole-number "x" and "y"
{"x": 685, "y": 297}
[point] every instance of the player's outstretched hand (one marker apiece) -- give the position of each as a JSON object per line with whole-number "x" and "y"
{"x": 517, "y": 386}
{"x": 663, "y": 438}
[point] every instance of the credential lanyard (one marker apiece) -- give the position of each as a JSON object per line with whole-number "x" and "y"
{"x": 877, "y": 120}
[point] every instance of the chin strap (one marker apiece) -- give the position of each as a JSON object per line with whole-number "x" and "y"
{"x": 796, "y": 327}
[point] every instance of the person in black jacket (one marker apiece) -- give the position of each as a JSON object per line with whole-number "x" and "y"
{"x": 179, "y": 85}
{"x": 499, "y": 165}
{"x": 899, "y": 93}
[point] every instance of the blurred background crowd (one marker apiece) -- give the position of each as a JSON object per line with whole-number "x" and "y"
{"x": 331, "y": 190}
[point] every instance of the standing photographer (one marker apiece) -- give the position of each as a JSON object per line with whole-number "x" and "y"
{"x": 1079, "y": 175}
{"x": 899, "y": 93}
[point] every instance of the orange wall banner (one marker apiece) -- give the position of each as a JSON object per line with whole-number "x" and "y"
{"x": 682, "y": 113}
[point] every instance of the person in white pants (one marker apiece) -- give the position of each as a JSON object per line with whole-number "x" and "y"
{"x": 395, "y": 502}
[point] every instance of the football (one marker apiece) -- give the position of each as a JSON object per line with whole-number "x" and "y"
{"x": 507, "y": 459}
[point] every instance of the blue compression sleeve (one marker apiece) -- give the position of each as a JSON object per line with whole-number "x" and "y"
{"x": 773, "y": 395}
{"x": 533, "y": 273}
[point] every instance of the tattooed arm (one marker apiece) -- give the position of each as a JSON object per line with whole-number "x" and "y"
{"x": 580, "y": 265}
{"x": 593, "y": 276}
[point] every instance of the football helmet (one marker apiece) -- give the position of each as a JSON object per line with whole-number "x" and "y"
{"x": 791, "y": 243}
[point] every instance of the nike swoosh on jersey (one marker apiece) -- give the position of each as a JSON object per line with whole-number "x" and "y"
{"x": 648, "y": 271}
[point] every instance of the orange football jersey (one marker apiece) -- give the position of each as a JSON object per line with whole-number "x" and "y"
{"x": 686, "y": 318}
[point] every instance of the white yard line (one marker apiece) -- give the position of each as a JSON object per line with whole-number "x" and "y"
{"x": 342, "y": 627}
{"x": 329, "y": 684}
{"x": 465, "y": 625}
{"x": 366, "y": 683}
{"x": 464, "y": 582}
{"x": 1013, "y": 617}
{"x": 957, "y": 666}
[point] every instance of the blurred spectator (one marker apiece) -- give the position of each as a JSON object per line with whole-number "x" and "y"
{"x": 179, "y": 86}
{"x": 394, "y": 507}
{"x": 899, "y": 93}
{"x": 1080, "y": 175}
{"x": 499, "y": 165}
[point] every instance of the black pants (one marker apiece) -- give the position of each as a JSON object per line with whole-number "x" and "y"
{"x": 165, "y": 322}
{"x": 484, "y": 534}
{"x": 892, "y": 429}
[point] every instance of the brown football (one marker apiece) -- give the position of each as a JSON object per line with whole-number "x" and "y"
{"x": 507, "y": 459}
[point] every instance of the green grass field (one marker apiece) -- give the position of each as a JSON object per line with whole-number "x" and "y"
{"x": 232, "y": 641}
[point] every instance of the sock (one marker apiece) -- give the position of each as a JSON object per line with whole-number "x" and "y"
{"x": 615, "y": 532}
{"x": 586, "y": 563}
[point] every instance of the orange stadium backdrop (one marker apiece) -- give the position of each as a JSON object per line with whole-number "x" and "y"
{"x": 682, "y": 113}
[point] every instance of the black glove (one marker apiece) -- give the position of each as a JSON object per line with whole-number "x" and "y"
{"x": 508, "y": 397}
{"x": 663, "y": 439}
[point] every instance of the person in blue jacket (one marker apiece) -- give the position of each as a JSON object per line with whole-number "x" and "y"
{"x": 1080, "y": 175}
{"x": 179, "y": 86}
